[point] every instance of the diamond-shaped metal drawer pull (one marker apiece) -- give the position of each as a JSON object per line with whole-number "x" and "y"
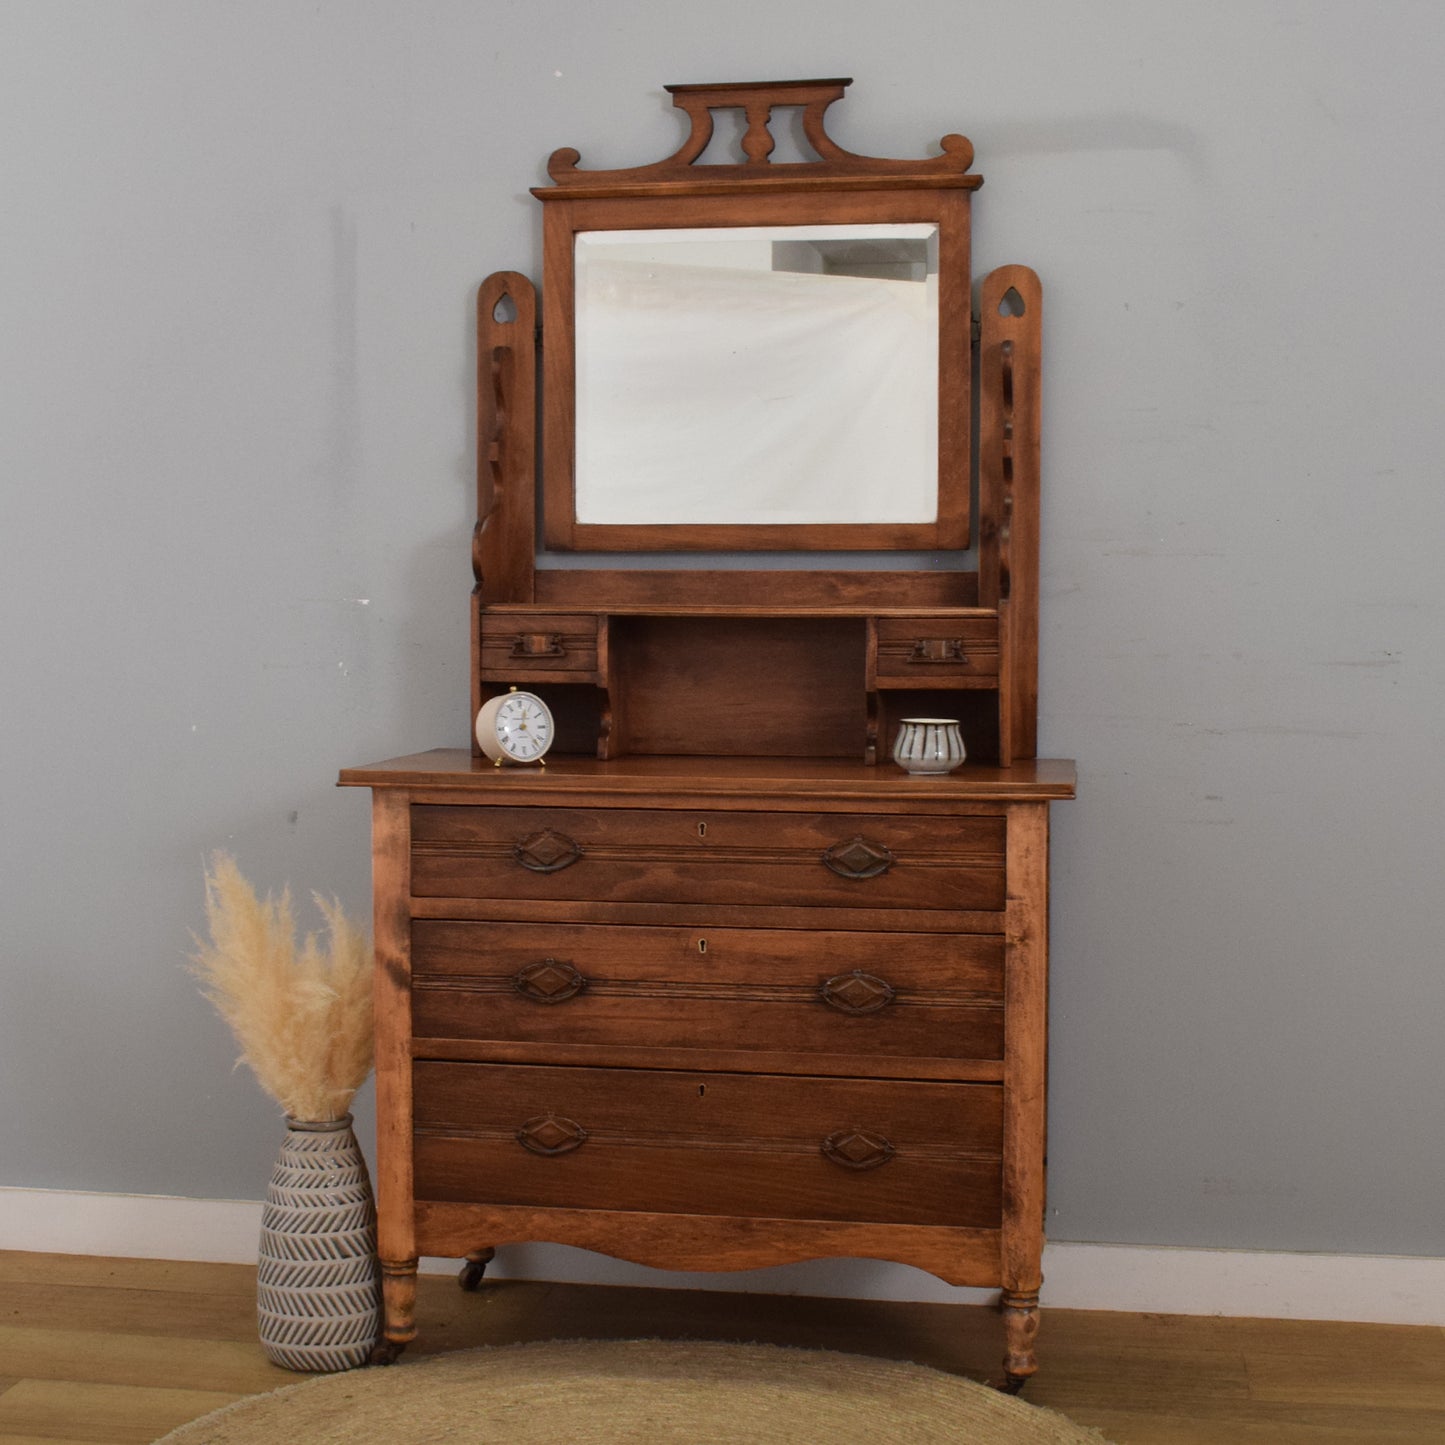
{"x": 856, "y": 993}
{"x": 547, "y": 851}
{"x": 858, "y": 858}
{"x": 549, "y": 981}
{"x": 549, "y": 1135}
{"x": 857, "y": 1149}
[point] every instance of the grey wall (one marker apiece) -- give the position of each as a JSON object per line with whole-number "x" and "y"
{"x": 239, "y": 248}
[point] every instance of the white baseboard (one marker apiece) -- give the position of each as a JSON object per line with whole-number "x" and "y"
{"x": 1384, "y": 1289}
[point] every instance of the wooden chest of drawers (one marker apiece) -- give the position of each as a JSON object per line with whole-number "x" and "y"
{"x": 683, "y": 1006}
{"x": 709, "y": 1014}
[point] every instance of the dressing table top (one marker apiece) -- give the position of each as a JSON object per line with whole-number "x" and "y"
{"x": 1028, "y": 780}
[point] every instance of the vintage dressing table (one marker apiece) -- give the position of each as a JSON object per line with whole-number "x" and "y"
{"x": 720, "y": 985}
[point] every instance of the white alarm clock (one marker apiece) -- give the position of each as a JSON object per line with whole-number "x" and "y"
{"x": 515, "y": 727}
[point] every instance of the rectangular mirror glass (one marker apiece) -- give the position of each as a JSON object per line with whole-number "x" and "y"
{"x": 757, "y": 375}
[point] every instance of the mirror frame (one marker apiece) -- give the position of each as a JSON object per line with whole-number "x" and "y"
{"x": 839, "y": 188}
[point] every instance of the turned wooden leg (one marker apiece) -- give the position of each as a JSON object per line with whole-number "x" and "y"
{"x": 1020, "y": 1327}
{"x": 398, "y": 1298}
{"x": 1025, "y": 1068}
{"x": 472, "y": 1271}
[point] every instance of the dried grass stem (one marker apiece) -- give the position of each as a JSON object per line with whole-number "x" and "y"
{"x": 302, "y": 1018}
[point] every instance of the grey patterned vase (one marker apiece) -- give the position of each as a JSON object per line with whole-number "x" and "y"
{"x": 318, "y": 1292}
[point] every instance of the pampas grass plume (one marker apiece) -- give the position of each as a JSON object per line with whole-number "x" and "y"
{"x": 302, "y": 1019}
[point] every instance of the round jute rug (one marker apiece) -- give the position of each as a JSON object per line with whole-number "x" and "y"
{"x": 636, "y": 1392}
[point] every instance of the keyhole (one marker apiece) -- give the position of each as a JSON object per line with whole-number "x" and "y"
{"x": 701, "y": 1090}
{"x": 702, "y": 830}
{"x": 702, "y": 945}
{"x": 505, "y": 310}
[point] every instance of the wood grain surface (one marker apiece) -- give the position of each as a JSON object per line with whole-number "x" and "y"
{"x": 705, "y": 989}
{"x": 746, "y": 781}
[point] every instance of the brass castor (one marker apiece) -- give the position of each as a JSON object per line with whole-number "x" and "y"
{"x": 470, "y": 1275}
{"x": 1011, "y": 1384}
{"x": 385, "y": 1352}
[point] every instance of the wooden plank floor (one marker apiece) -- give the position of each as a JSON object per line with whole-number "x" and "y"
{"x": 115, "y": 1350}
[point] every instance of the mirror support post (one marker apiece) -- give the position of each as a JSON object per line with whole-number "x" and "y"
{"x": 504, "y": 537}
{"x": 1009, "y": 415}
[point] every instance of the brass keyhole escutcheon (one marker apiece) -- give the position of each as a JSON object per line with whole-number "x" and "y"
{"x": 702, "y": 945}
{"x": 702, "y": 830}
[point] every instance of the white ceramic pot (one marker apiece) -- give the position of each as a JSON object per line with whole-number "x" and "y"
{"x": 928, "y": 745}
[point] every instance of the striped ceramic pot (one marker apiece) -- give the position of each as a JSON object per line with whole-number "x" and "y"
{"x": 318, "y": 1291}
{"x": 928, "y": 745}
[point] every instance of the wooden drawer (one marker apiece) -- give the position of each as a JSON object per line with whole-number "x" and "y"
{"x": 760, "y": 1146}
{"x": 639, "y": 855}
{"x": 533, "y": 647}
{"x": 935, "y": 995}
{"x": 937, "y": 652}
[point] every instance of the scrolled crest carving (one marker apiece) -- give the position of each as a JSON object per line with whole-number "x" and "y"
{"x": 758, "y": 101}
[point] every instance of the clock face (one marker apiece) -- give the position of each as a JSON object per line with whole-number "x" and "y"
{"x": 523, "y": 727}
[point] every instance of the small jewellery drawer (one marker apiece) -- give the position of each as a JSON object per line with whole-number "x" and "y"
{"x": 763, "y": 1146}
{"x": 934, "y": 652}
{"x": 903, "y": 995}
{"x": 639, "y": 855}
{"x": 532, "y": 647}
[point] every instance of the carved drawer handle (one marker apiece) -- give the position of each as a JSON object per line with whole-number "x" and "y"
{"x": 858, "y": 858}
{"x": 548, "y": 1135}
{"x": 539, "y": 644}
{"x": 937, "y": 649}
{"x": 547, "y": 852}
{"x": 549, "y": 982}
{"x": 856, "y": 993}
{"x": 857, "y": 1149}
